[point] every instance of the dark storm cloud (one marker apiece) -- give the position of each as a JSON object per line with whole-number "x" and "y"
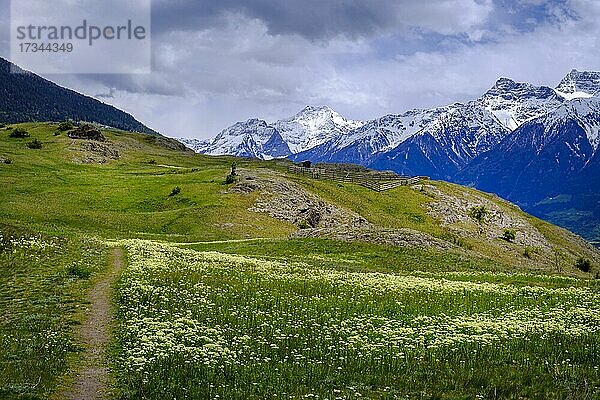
{"x": 321, "y": 20}
{"x": 313, "y": 19}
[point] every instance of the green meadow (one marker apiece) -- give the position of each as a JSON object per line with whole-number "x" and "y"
{"x": 217, "y": 301}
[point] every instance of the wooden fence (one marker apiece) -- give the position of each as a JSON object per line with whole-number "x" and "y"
{"x": 375, "y": 181}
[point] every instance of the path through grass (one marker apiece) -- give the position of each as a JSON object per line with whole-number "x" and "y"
{"x": 92, "y": 383}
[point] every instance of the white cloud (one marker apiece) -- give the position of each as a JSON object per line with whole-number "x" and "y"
{"x": 207, "y": 79}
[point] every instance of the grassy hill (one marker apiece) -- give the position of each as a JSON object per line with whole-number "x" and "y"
{"x": 396, "y": 260}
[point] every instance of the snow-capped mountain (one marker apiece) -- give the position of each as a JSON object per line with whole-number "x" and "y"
{"x": 373, "y": 137}
{"x": 444, "y": 138}
{"x": 253, "y": 138}
{"x": 449, "y": 139}
{"x": 558, "y": 145}
{"x": 550, "y": 166}
{"x": 199, "y": 146}
{"x": 579, "y": 84}
{"x": 260, "y": 139}
{"x": 440, "y": 141}
{"x": 313, "y": 126}
{"x": 527, "y": 143}
{"x": 514, "y": 103}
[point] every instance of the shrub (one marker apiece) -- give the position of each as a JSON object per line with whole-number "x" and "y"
{"x": 78, "y": 271}
{"x": 230, "y": 179}
{"x": 176, "y": 190}
{"x": 19, "y": 133}
{"x": 152, "y": 162}
{"x": 478, "y": 213}
{"x": 304, "y": 225}
{"x": 5, "y": 160}
{"x": 509, "y": 235}
{"x": 34, "y": 144}
{"x": 583, "y": 264}
{"x": 65, "y": 126}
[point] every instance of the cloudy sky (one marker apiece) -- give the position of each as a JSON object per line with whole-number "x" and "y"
{"x": 216, "y": 62}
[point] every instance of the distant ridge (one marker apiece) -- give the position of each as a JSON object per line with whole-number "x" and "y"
{"x": 536, "y": 146}
{"x": 26, "y": 97}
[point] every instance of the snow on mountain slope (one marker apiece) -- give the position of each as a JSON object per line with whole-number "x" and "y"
{"x": 257, "y": 138}
{"x": 199, "y": 146}
{"x": 373, "y": 137}
{"x": 584, "y": 111}
{"x": 542, "y": 157}
{"x": 313, "y": 126}
{"x": 247, "y": 139}
{"x": 463, "y": 130}
{"x": 459, "y": 132}
{"x": 446, "y": 143}
{"x": 579, "y": 84}
{"x": 514, "y": 103}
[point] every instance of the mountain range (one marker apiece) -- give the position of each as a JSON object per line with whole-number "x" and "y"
{"x": 26, "y": 97}
{"x": 533, "y": 145}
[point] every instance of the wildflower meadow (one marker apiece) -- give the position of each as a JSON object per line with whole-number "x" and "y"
{"x": 211, "y": 325}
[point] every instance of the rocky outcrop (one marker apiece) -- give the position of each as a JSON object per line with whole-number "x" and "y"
{"x": 290, "y": 202}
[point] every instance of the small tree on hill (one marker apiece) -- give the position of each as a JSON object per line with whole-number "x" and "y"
{"x": 478, "y": 214}
{"x": 35, "y": 144}
{"x": 583, "y": 264}
{"x": 509, "y": 235}
{"x": 65, "y": 126}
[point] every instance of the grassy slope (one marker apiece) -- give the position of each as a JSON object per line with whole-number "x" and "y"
{"x": 45, "y": 191}
{"x": 127, "y": 197}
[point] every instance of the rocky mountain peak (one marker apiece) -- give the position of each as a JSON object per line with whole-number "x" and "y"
{"x": 581, "y": 83}
{"x": 511, "y": 90}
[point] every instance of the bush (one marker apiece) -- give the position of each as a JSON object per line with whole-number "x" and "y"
{"x": 65, "y": 126}
{"x": 5, "y": 160}
{"x": 304, "y": 225}
{"x": 176, "y": 190}
{"x": 34, "y": 144}
{"x": 78, "y": 271}
{"x": 509, "y": 235}
{"x": 478, "y": 213}
{"x": 19, "y": 133}
{"x": 230, "y": 179}
{"x": 583, "y": 264}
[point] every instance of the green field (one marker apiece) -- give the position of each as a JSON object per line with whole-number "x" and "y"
{"x": 242, "y": 327}
{"x": 218, "y": 301}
